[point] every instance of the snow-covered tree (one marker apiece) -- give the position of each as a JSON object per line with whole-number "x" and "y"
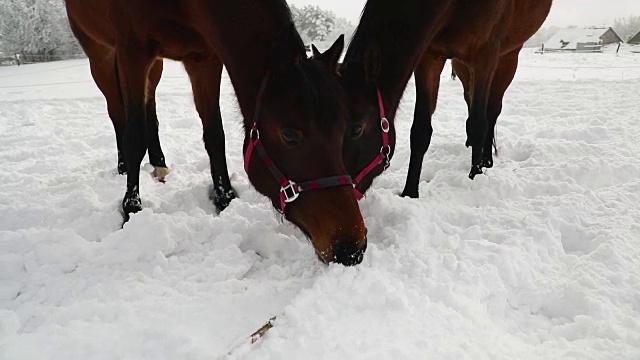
{"x": 628, "y": 26}
{"x": 34, "y": 27}
{"x": 341, "y": 26}
{"x": 313, "y": 23}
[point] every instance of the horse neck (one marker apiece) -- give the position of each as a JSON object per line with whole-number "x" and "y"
{"x": 245, "y": 40}
{"x": 400, "y": 34}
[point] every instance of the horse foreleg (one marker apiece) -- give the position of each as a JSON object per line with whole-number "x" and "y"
{"x": 205, "y": 81}
{"x": 503, "y": 77}
{"x": 156, "y": 156}
{"x": 482, "y": 72}
{"x": 133, "y": 67}
{"x": 427, "y": 75}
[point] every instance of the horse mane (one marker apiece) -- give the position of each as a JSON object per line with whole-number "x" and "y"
{"x": 315, "y": 84}
{"x": 283, "y": 13}
{"x": 358, "y": 39}
{"x": 281, "y": 9}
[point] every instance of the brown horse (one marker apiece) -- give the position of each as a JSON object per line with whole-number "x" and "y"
{"x": 484, "y": 39}
{"x": 295, "y": 112}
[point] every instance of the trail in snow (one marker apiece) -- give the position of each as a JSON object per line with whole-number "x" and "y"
{"x": 537, "y": 259}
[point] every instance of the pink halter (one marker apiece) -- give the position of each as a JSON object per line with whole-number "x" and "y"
{"x": 385, "y": 150}
{"x": 289, "y": 190}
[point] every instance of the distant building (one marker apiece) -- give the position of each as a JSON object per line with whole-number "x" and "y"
{"x": 635, "y": 39}
{"x": 582, "y": 39}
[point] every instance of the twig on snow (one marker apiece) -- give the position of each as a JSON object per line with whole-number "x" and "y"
{"x": 254, "y": 337}
{"x": 263, "y": 330}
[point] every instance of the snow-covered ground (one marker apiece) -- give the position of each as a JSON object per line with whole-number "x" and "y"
{"x": 537, "y": 259}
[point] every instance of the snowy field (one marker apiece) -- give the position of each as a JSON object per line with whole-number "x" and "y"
{"x": 537, "y": 259}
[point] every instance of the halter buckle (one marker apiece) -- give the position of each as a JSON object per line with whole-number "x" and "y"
{"x": 290, "y": 192}
{"x": 385, "y": 125}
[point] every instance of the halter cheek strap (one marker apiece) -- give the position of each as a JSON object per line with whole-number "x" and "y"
{"x": 289, "y": 190}
{"x": 384, "y": 156}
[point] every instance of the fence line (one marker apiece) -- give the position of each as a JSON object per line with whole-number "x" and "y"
{"x": 24, "y": 59}
{"x": 577, "y": 67}
{"x": 72, "y": 82}
{"x": 51, "y": 56}
{"x": 50, "y": 84}
{"x": 185, "y": 77}
{"x": 42, "y": 71}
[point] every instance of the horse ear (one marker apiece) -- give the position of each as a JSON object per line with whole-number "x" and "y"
{"x": 331, "y": 56}
{"x": 371, "y": 61}
{"x": 316, "y": 52}
{"x": 288, "y": 49}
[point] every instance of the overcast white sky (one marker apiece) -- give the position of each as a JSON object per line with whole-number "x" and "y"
{"x": 563, "y": 12}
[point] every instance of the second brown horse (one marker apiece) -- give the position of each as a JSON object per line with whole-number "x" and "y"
{"x": 483, "y": 37}
{"x": 295, "y": 112}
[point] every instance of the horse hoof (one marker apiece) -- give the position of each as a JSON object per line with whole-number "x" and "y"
{"x": 223, "y": 198}
{"x": 475, "y": 170}
{"x": 160, "y": 173}
{"x": 410, "y": 194}
{"x": 486, "y": 163}
{"x": 131, "y": 205}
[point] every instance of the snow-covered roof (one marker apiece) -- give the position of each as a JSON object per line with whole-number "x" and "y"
{"x": 635, "y": 39}
{"x": 568, "y": 39}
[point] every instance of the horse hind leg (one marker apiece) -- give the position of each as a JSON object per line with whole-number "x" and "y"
{"x": 427, "y": 76}
{"x": 205, "y": 78}
{"x": 156, "y": 155}
{"x": 504, "y": 75}
{"x": 482, "y": 72}
{"x": 107, "y": 80}
{"x": 464, "y": 74}
{"x": 102, "y": 63}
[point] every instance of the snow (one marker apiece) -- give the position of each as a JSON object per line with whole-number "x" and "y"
{"x": 537, "y": 259}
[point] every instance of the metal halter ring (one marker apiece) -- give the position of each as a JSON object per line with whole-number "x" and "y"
{"x": 385, "y": 150}
{"x": 384, "y": 124}
{"x": 290, "y": 192}
{"x": 254, "y": 133}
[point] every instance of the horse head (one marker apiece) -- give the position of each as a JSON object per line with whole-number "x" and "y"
{"x": 293, "y": 150}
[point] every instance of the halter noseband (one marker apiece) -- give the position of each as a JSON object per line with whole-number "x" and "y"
{"x": 289, "y": 190}
{"x": 385, "y": 150}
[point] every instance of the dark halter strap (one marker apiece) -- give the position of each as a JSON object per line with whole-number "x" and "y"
{"x": 289, "y": 190}
{"x": 385, "y": 150}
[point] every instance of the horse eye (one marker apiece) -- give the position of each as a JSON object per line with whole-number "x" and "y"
{"x": 291, "y": 138}
{"x": 356, "y": 130}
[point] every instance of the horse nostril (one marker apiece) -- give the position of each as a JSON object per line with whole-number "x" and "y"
{"x": 347, "y": 253}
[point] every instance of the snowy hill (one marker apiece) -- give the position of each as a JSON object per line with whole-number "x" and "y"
{"x": 537, "y": 259}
